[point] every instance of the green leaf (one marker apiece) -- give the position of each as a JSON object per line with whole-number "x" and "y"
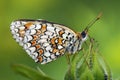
{"x": 70, "y": 75}
{"x": 96, "y": 69}
{"x": 89, "y": 66}
{"x": 30, "y": 73}
{"x": 98, "y": 66}
{"x": 104, "y": 66}
{"x": 77, "y": 67}
{"x": 82, "y": 71}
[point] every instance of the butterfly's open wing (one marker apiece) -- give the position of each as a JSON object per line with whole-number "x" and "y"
{"x": 44, "y": 41}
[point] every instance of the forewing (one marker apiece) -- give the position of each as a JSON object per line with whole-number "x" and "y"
{"x": 42, "y": 40}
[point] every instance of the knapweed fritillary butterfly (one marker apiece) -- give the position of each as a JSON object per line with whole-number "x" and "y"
{"x": 45, "y": 41}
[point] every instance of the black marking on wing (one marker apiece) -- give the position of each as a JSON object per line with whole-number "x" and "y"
{"x": 41, "y": 20}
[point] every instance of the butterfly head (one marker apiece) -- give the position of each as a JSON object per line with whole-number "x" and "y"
{"x": 83, "y": 35}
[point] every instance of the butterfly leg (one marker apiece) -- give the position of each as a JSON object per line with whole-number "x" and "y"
{"x": 68, "y": 58}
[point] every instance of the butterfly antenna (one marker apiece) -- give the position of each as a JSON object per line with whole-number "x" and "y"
{"x": 92, "y": 22}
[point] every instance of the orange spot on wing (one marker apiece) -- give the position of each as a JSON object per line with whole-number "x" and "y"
{"x": 40, "y": 51}
{"x": 35, "y": 37}
{"x": 38, "y": 32}
{"x": 27, "y": 25}
{"x": 33, "y": 42}
{"x": 54, "y": 50}
{"x": 61, "y": 32}
{"x": 22, "y": 33}
{"x": 53, "y": 40}
{"x": 62, "y": 51}
{"x": 40, "y": 58}
{"x": 60, "y": 40}
{"x": 38, "y": 46}
{"x": 43, "y": 28}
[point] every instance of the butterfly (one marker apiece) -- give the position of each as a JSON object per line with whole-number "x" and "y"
{"x": 45, "y": 41}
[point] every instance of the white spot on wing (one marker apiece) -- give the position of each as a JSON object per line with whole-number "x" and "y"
{"x": 48, "y": 48}
{"x": 48, "y": 33}
{"x": 46, "y": 44}
{"x": 13, "y": 23}
{"x": 21, "y": 43}
{"x": 36, "y": 60}
{"x": 32, "y": 27}
{"x": 23, "y": 22}
{"x": 57, "y": 30}
{"x": 38, "y": 26}
{"x": 44, "y": 62}
{"x": 42, "y": 40}
{"x": 27, "y": 45}
{"x": 33, "y": 31}
{"x": 49, "y": 60}
{"x": 50, "y": 28}
{"x": 28, "y": 52}
{"x": 16, "y": 30}
{"x": 53, "y": 56}
{"x": 57, "y": 53}
{"x": 17, "y": 23}
{"x": 32, "y": 49}
{"x": 64, "y": 36}
{"x": 44, "y": 36}
{"x": 60, "y": 47}
{"x": 13, "y": 32}
{"x": 12, "y": 27}
{"x": 35, "y": 54}
{"x": 21, "y": 28}
{"x": 27, "y": 38}
{"x": 32, "y": 56}
{"x": 47, "y": 54}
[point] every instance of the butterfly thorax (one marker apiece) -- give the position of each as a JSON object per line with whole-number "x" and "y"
{"x": 75, "y": 43}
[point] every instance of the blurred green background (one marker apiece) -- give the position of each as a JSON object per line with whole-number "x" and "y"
{"x": 76, "y": 14}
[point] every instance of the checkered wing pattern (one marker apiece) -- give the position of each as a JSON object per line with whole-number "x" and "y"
{"x": 44, "y": 41}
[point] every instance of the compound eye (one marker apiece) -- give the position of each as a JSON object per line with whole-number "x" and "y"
{"x": 83, "y": 34}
